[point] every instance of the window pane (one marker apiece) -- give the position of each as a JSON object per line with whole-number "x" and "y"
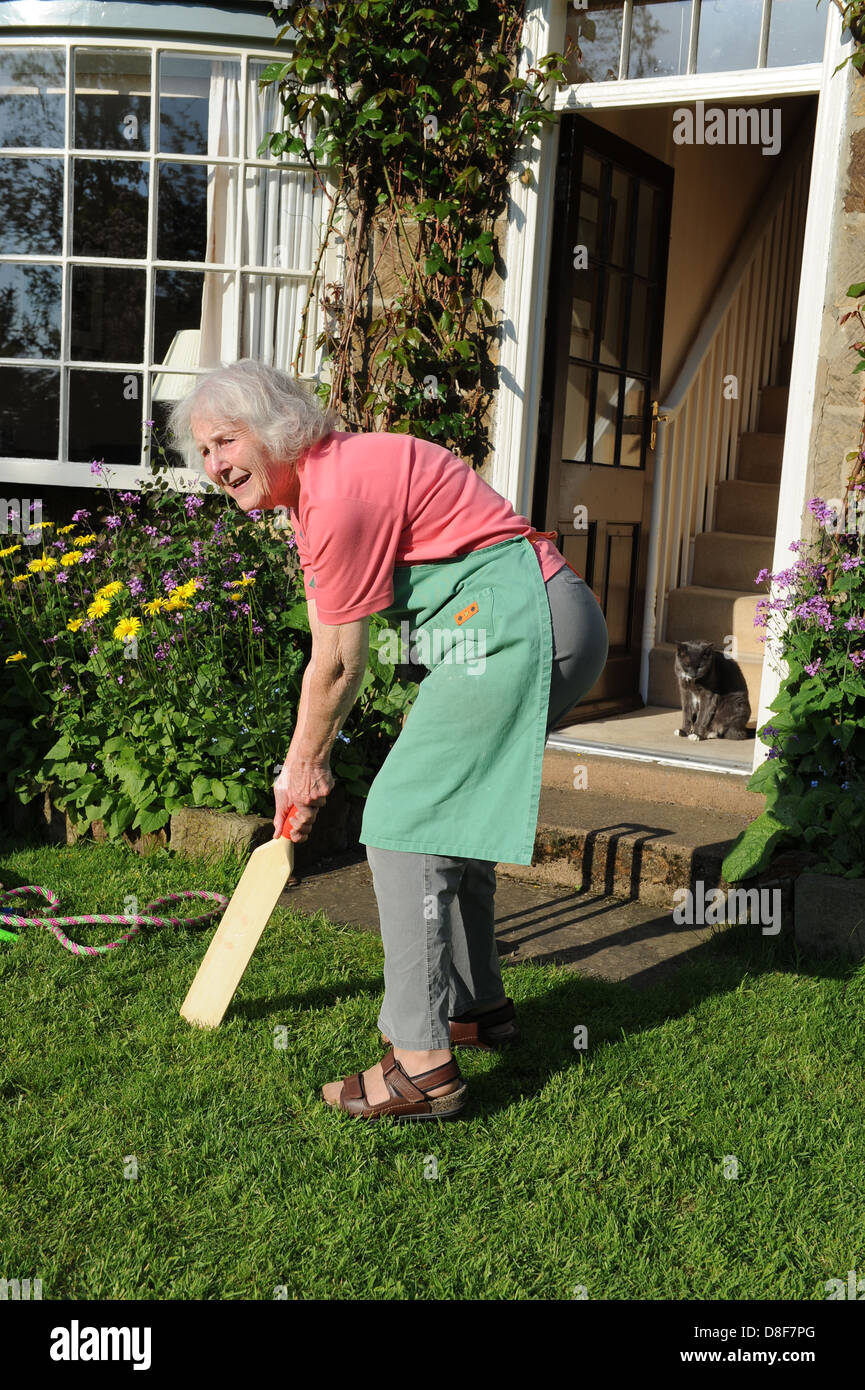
{"x": 112, "y": 99}
{"x": 597, "y": 32}
{"x": 614, "y": 318}
{"x": 29, "y": 310}
{"x": 178, "y": 311}
{"x": 637, "y": 353}
{"x": 29, "y": 412}
{"x": 104, "y": 417}
{"x": 583, "y": 313}
{"x": 574, "y": 441}
{"x": 107, "y": 314}
{"x": 797, "y": 33}
{"x": 281, "y": 215}
{"x": 633, "y": 424}
{"x": 110, "y": 208}
{"x": 604, "y": 445}
{"x": 270, "y": 321}
{"x": 647, "y": 215}
{"x": 160, "y": 410}
{"x": 619, "y": 237}
{"x": 660, "y": 37}
{"x": 729, "y": 35}
{"x": 189, "y": 90}
{"x": 32, "y": 97}
{"x": 31, "y": 199}
{"x": 186, "y": 232}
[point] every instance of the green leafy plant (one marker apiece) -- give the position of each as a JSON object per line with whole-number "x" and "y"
{"x": 410, "y": 118}
{"x": 154, "y": 656}
{"x": 814, "y": 775}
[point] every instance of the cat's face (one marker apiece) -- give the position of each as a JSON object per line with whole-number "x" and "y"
{"x": 694, "y": 660}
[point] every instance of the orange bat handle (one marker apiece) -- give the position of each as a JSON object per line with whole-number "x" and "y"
{"x": 286, "y": 824}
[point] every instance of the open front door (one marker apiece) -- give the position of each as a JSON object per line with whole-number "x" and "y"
{"x": 601, "y": 379}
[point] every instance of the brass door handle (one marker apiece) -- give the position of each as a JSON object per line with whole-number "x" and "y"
{"x": 655, "y": 418}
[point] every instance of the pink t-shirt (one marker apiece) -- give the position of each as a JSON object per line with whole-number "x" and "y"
{"x": 371, "y": 501}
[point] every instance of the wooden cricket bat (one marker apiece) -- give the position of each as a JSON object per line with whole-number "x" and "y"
{"x": 238, "y": 933}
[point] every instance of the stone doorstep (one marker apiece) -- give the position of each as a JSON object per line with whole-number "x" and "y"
{"x": 624, "y": 853}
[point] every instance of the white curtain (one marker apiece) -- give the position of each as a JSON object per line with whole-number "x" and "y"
{"x": 282, "y": 211}
{"x": 219, "y": 306}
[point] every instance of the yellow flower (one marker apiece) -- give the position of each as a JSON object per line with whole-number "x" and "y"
{"x": 16, "y": 656}
{"x": 242, "y": 583}
{"x": 154, "y": 606}
{"x": 47, "y": 562}
{"x": 172, "y": 604}
{"x": 70, "y": 557}
{"x": 98, "y": 608}
{"x": 127, "y": 628}
{"x": 84, "y": 540}
{"x": 10, "y": 550}
{"x": 64, "y": 530}
{"x": 235, "y": 598}
{"x": 109, "y": 590}
{"x": 186, "y": 590}
{"x": 40, "y": 525}
{"x": 19, "y": 578}
{"x": 74, "y": 624}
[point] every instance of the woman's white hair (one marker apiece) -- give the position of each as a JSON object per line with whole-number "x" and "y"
{"x": 276, "y": 407}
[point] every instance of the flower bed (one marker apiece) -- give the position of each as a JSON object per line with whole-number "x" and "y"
{"x": 154, "y": 650}
{"x": 814, "y": 775}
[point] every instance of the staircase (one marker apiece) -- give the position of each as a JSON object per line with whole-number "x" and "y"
{"x": 721, "y": 600}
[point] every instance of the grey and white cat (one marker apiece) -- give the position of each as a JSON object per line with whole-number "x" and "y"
{"x": 713, "y": 692}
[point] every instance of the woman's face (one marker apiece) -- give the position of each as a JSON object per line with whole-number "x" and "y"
{"x": 236, "y": 460}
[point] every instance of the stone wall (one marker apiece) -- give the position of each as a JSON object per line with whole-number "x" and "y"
{"x": 838, "y": 405}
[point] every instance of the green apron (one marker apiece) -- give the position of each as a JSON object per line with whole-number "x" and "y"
{"x": 464, "y": 777}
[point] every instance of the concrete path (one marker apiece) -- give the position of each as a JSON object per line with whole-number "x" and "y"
{"x": 595, "y": 935}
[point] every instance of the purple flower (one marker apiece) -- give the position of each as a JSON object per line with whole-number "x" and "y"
{"x": 850, "y": 562}
{"x": 763, "y": 575}
{"x": 130, "y": 496}
{"x": 245, "y": 609}
{"x": 162, "y": 651}
{"x": 164, "y": 540}
{"x": 81, "y": 515}
{"x": 65, "y": 689}
{"x": 254, "y": 515}
{"x": 150, "y": 424}
{"x": 857, "y": 658}
{"x": 49, "y": 641}
{"x": 93, "y": 651}
{"x": 197, "y": 551}
{"x": 203, "y": 606}
{"x": 796, "y": 545}
{"x": 855, "y": 624}
{"x": 237, "y": 559}
{"x": 169, "y": 580}
{"x": 97, "y": 467}
{"x": 61, "y": 577}
{"x": 58, "y": 545}
{"x": 192, "y": 504}
{"x": 88, "y": 554}
{"x": 112, "y": 522}
{"x": 813, "y": 667}
{"x": 150, "y": 531}
{"x": 136, "y": 586}
{"x": 92, "y": 765}
{"x": 257, "y": 629}
{"x": 119, "y": 680}
{"x": 291, "y": 543}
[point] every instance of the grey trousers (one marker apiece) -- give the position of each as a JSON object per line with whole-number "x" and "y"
{"x": 437, "y": 913}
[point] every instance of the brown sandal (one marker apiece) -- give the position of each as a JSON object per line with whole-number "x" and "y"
{"x": 407, "y": 1099}
{"x": 489, "y": 1031}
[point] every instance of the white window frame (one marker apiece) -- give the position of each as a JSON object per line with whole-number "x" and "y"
{"x": 61, "y": 471}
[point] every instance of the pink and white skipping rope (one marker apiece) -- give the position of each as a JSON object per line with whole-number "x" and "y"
{"x": 137, "y": 921}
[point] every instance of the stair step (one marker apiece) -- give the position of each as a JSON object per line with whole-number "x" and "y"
{"x": 773, "y": 409}
{"x": 730, "y": 559}
{"x": 664, "y": 689}
{"x": 696, "y": 613}
{"x": 760, "y": 456}
{"x": 749, "y": 508}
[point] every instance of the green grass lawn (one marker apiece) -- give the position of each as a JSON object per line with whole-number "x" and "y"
{"x": 602, "y": 1169}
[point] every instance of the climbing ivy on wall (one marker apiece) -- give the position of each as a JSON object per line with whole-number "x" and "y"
{"x": 417, "y": 116}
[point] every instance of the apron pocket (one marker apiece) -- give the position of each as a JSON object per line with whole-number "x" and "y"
{"x": 460, "y": 634}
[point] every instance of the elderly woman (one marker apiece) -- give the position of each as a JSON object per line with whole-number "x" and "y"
{"x": 511, "y": 638}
